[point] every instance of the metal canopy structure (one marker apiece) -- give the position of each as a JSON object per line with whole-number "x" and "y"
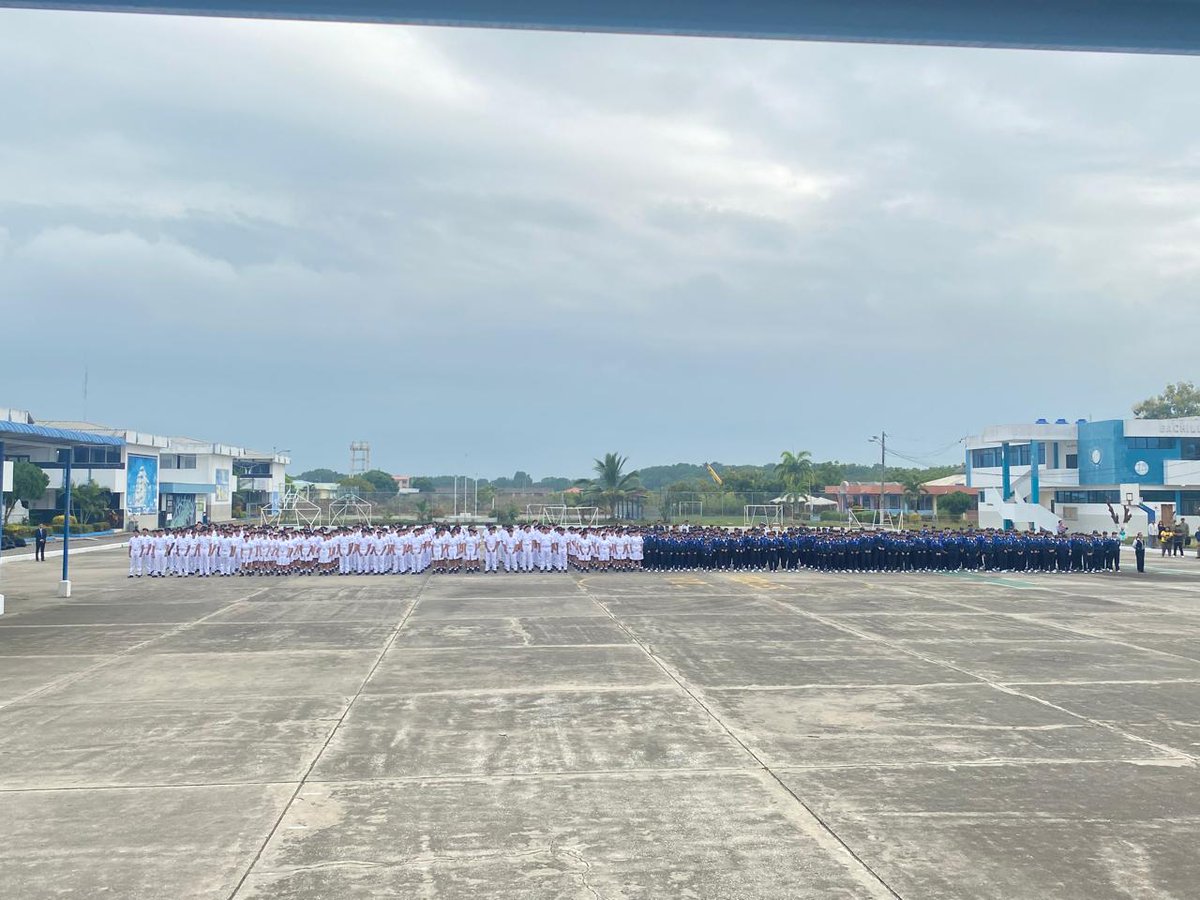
{"x": 1131, "y": 26}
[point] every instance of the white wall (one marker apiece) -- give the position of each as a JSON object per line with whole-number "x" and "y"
{"x": 1181, "y": 472}
{"x": 207, "y": 464}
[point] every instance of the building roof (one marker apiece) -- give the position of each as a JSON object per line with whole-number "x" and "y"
{"x": 44, "y": 434}
{"x": 130, "y": 436}
{"x": 959, "y": 479}
{"x": 869, "y": 488}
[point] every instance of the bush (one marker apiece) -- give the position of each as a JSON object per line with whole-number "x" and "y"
{"x": 58, "y": 521}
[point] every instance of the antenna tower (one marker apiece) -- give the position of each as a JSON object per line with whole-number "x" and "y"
{"x": 360, "y": 457}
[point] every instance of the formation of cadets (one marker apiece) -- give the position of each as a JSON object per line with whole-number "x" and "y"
{"x": 394, "y": 550}
{"x": 844, "y": 550}
{"x": 398, "y": 550}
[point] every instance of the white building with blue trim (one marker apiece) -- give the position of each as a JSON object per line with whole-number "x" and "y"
{"x": 1034, "y": 475}
{"x": 153, "y": 480}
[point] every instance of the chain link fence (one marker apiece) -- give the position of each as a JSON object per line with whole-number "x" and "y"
{"x": 664, "y": 505}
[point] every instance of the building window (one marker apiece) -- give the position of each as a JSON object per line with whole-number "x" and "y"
{"x": 1018, "y": 455}
{"x": 1112, "y": 496}
{"x": 247, "y": 469}
{"x": 1159, "y": 496}
{"x": 1152, "y": 443}
{"x": 96, "y": 456}
{"x": 1072, "y": 460}
{"x": 986, "y": 458}
{"x": 177, "y": 461}
{"x": 1190, "y": 449}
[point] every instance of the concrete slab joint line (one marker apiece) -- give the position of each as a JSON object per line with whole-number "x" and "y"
{"x": 116, "y": 657}
{"x": 824, "y": 832}
{"x": 329, "y": 737}
{"x": 1000, "y": 686}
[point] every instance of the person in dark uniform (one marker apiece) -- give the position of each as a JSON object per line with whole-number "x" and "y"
{"x": 1139, "y": 552}
{"x": 39, "y": 543}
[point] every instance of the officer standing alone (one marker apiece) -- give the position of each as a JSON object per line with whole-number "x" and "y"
{"x": 1139, "y": 552}
{"x": 39, "y": 543}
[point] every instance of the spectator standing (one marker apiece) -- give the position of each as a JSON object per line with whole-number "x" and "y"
{"x": 1139, "y": 552}
{"x": 1182, "y": 536}
{"x": 39, "y": 543}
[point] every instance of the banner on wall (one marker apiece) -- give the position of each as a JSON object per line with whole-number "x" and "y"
{"x": 183, "y": 511}
{"x": 222, "y": 481}
{"x": 141, "y": 485}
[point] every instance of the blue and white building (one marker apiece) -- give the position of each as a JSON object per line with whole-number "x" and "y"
{"x": 1034, "y": 475}
{"x": 153, "y": 480}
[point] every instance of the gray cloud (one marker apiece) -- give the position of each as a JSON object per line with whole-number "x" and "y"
{"x": 495, "y": 249}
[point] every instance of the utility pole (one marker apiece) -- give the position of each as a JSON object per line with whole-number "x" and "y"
{"x": 881, "y": 440}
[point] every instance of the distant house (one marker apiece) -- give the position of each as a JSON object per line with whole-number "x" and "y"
{"x": 404, "y": 484}
{"x": 865, "y": 495}
{"x": 317, "y": 490}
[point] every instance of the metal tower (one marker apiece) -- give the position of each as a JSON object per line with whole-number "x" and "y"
{"x": 360, "y": 457}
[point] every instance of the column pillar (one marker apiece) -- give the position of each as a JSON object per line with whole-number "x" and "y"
{"x": 1035, "y": 495}
{"x": 1006, "y": 478}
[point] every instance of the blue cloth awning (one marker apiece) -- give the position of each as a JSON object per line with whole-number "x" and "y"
{"x": 42, "y": 434}
{"x": 180, "y": 487}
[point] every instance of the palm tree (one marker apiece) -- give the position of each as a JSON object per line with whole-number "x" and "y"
{"x": 795, "y": 469}
{"x": 913, "y": 490}
{"x": 612, "y": 483}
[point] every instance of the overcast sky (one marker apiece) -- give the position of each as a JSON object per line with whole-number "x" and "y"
{"x": 484, "y": 251}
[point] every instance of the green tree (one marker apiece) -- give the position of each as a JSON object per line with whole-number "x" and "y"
{"x": 424, "y": 510}
{"x": 914, "y": 489}
{"x": 90, "y": 502}
{"x": 1177, "y": 401}
{"x": 522, "y": 480}
{"x": 828, "y": 474}
{"x": 29, "y": 483}
{"x": 955, "y": 503}
{"x": 381, "y": 481}
{"x": 796, "y": 470}
{"x": 423, "y": 484}
{"x": 355, "y": 485}
{"x": 673, "y": 496}
{"x": 322, "y": 476}
{"x": 487, "y": 494}
{"x": 612, "y": 483}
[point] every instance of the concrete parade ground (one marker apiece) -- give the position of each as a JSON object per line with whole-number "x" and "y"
{"x": 675, "y": 735}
